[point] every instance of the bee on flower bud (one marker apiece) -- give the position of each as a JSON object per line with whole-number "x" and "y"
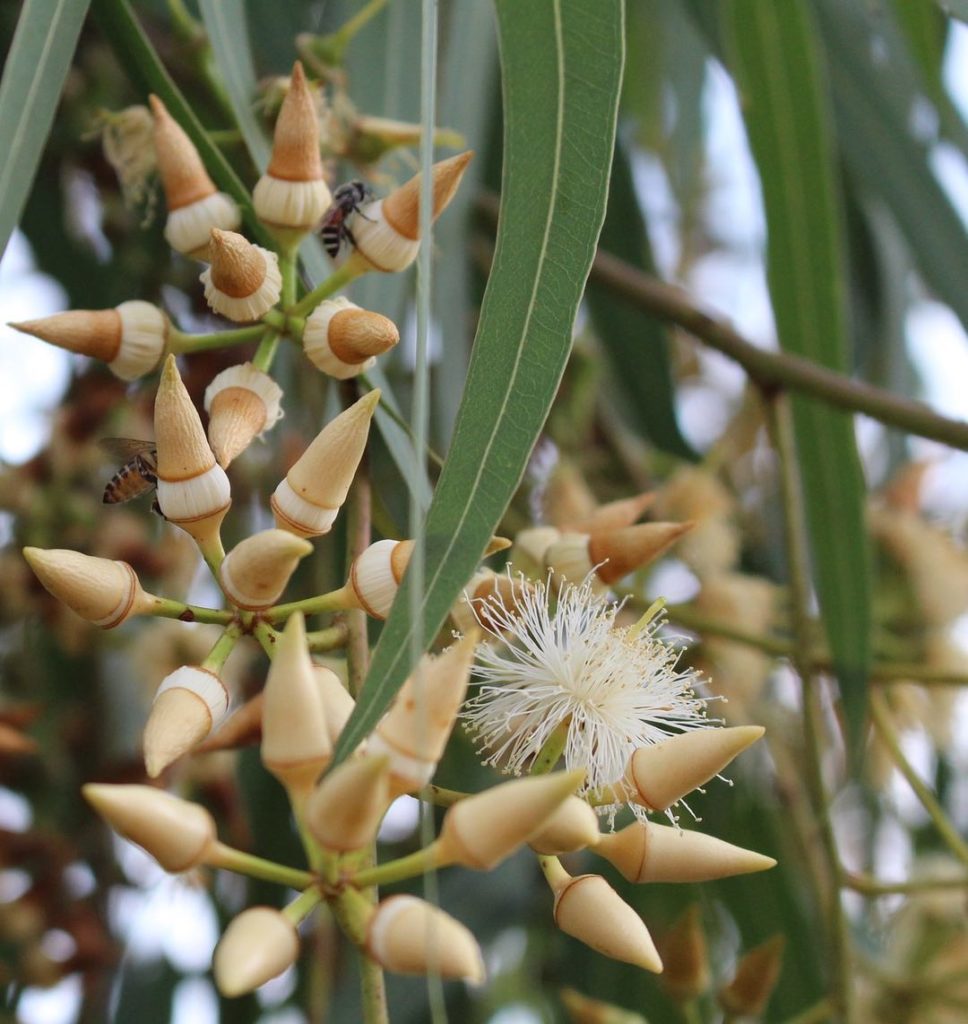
{"x": 334, "y": 228}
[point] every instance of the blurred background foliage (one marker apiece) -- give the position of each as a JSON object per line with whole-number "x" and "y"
{"x": 830, "y": 234}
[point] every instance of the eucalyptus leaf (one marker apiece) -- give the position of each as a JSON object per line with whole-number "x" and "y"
{"x": 561, "y": 73}
{"x": 33, "y": 76}
{"x": 776, "y": 61}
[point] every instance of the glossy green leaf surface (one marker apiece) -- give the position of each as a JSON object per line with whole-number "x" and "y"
{"x": 561, "y": 73}
{"x": 33, "y": 76}
{"x": 777, "y": 66}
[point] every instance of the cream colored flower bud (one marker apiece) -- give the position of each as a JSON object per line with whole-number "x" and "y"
{"x": 613, "y": 515}
{"x": 244, "y": 280}
{"x": 346, "y": 808}
{"x": 194, "y": 204}
{"x": 376, "y": 573}
{"x": 613, "y": 554}
{"x": 590, "y": 910}
{"x": 409, "y": 936}
{"x": 188, "y": 705}
{"x": 414, "y": 732}
{"x": 685, "y": 957}
{"x": 178, "y": 834}
{"x": 387, "y": 232}
{"x": 295, "y": 740}
{"x": 338, "y": 705}
{"x": 480, "y": 831}
{"x": 756, "y": 976}
{"x": 487, "y": 591}
{"x": 104, "y": 592}
{"x": 292, "y": 193}
{"x": 530, "y": 547}
{"x": 344, "y": 340}
{"x": 307, "y": 501}
{"x": 130, "y": 338}
{"x": 257, "y": 945}
{"x": 193, "y": 490}
{"x": 242, "y": 403}
{"x": 659, "y": 775}
{"x": 256, "y": 571}
{"x": 647, "y": 852}
{"x": 572, "y": 826}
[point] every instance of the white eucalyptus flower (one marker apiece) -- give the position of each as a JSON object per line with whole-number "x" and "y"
{"x": 560, "y": 658}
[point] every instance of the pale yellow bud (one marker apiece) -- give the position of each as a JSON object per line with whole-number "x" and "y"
{"x": 409, "y": 936}
{"x": 376, "y": 573}
{"x": 613, "y": 515}
{"x": 307, "y": 501}
{"x": 343, "y": 340}
{"x": 659, "y": 775}
{"x": 257, "y": 945}
{"x": 295, "y": 740}
{"x": 338, "y": 704}
{"x": 590, "y": 910}
{"x": 178, "y": 834}
{"x": 530, "y": 548}
{"x": 256, "y": 571}
{"x": 346, "y": 808}
{"x": 242, "y": 403}
{"x": 188, "y": 705}
{"x": 573, "y": 825}
{"x": 104, "y": 592}
{"x": 647, "y": 852}
{"x": 244, "y": 281}
{"x": 481, "y": 830}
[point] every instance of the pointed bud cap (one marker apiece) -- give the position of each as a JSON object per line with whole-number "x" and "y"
{"x": 193, "y": 491}
{"x": 292, "y": 193}
{"x": 346, "y": 808}
{"x": 194, "y": 205}
{"x": 590, "y": 910}
{"x": 481, "y": 830}
{"x": 647, "y": 852}
{"x": 376, "y": 573}
{"x": 756, "y": 976}
{"x": 295, "y": 741}
{"x": 414, "y": 732}
{"x": 624, "y": 551}
{"x": 243, "y": 728}
{"x": 409, "y": 936}
{"x": 256, "y": 571}
{"x": 387, "y": 232}
{"x": 573, "y": 826}
{"x": 338, "y": 705}
{"x": 613, "y": 515}
{"x": 189, "y": 704}
{"x": 242, "y": 403}
{"x": 244, "y": 281}
{"x": 685, "y": 958}
{"x": 343, "y": 340}
{"x": 104, "y": 592}
{"x": 257, "y": 945}
{"x": 178, "y": 834}
{"x": 307, "y": 500}
{"x": 659, "y": 775}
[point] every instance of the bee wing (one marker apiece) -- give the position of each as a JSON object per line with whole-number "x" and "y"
{"x": 125, "y": 485}
{"x": 124, "y": 449}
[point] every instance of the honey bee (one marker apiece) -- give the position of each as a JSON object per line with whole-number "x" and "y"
{"x": 334, "y": 227}
{"x": 137, "y": 475}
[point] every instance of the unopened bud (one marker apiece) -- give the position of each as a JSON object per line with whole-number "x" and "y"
{"x": 257, "y": 946}
{"x": 255, "y": 572}
{"x": 572, "y": 826}
{"x": 343, "y": 340}
{"x": 346, "y": 808}
{"x": 243, "y": 282}
{"x": 242, "y": 404}
{"x": 756, "y": 976}
{"x": 189, "y": 704}
{"x": 685, "y": 958}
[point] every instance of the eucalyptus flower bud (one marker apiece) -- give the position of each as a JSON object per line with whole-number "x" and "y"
{"x": 343, "y": 340}
{"x": 244, "y": 281}
{"x": 242, "y": 403}
{"x": 256, "y": 571}
{"x": 257, "y": 945}
{"x": 572, "y": 826}
{"x": 346, "y": 808}
{"x": 756, "y": 976}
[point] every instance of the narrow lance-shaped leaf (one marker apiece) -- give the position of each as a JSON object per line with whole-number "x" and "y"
{"x": 775, "y": 59}
{"x": 33, "y": 76}
{"x": 561, "y": 72}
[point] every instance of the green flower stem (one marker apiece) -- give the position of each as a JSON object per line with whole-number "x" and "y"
{"x": 328, "y": 639}
{"x": 180, "y": 343}
{"x": 691, "y": 1012}
{"x": 267, "y": 637}
{"x": 221, "y": 856}
{"x": 889, "y": 737}
{"x": 342, "y": 37}
{"x": 869, "y": 886}
{"x": 441, "y": 797}
{"x": 213, "y": 553}
{"x": 414, "y": 864}
{"x": 780, "y": 424}
{"x": 287, "y": 267}
{"x": 338, "y": 280}
{"x": 303, "y": 905}
{"x": 266, "y": 352}
{"x": 274, "y": 318}
{"x": 169, "y": 609}
{"x": 353, "y": 912}
{"x": 334, "y": 601}
{"x": 219, "y": 654}
{"x": 550, "y": 753}
{"x": 553, "y": 871}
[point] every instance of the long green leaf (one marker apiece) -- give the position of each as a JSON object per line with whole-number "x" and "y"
{"x": 776, "y": 62}
{"x": 561, "y": 73}
{"x": 33, "y": 76}
{"x": 228, "y": 34}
